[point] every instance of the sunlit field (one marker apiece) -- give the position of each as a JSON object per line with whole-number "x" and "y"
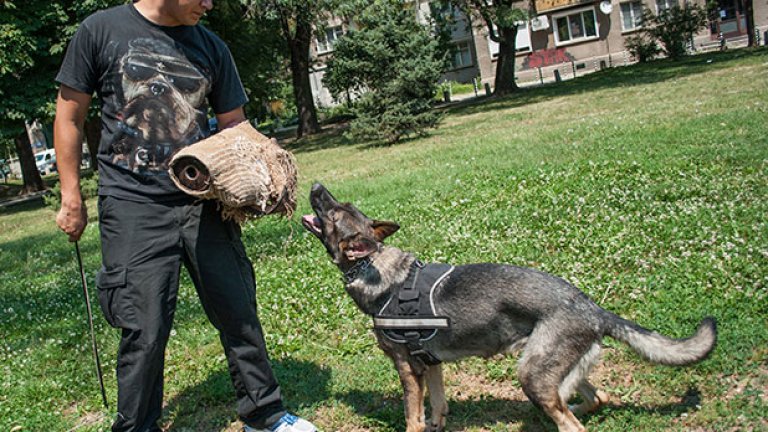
{"x": 646, "y": 186}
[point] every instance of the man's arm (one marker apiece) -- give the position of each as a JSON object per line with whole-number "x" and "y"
{"x": 230, "y": 118}
{"x": 71, "y": 109}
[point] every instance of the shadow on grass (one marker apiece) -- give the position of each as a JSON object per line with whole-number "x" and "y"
{"x": 332, "y": 136}
{"x": 33, "y": 203}
{"x": 210, "y": 405}
{"x": 488, "y": 411}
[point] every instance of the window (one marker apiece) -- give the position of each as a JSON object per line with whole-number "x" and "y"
{"x": 462, "y": 55}
{"x": 631, "y": 15}
{"x": 576, "y": 26}
{"x": 328, "y": 39}
{"x": 522, "y": 41}
{"x": 664, "y": 4}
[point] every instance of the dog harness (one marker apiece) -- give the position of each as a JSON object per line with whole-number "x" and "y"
{"x": 409, "y": 316}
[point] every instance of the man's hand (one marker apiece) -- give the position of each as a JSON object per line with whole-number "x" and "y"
{"x": 72, "y": 218}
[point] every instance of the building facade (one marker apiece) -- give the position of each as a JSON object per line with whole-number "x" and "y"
{"x": 567, "y": 36}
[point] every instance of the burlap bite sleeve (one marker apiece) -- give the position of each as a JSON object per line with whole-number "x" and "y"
{"x": 247, "y": 172}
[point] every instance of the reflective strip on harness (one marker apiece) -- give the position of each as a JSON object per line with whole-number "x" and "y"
{"x": 409, "y": 316}
{"x": 401, "y": 323}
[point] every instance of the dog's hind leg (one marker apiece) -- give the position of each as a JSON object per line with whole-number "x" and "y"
{"x": 434, "y": 376}
{"x": 547, "y": 361}
{"x": 593, "y": 398}
{"x": 577, "y": 379}
{"x": 413, "y": 395}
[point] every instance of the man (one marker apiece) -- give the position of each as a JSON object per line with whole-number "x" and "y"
{"x": 157, "y": 72}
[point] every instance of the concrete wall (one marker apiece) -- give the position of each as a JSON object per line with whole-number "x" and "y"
{"x": 761, "y": 19}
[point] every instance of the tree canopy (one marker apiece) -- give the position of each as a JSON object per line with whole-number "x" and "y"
{"x": 33, "y": 37}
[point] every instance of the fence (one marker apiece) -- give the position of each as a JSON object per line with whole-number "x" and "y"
{"x": 569, "y": 70}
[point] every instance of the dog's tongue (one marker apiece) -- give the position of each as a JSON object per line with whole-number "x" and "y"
{"x": 311, "y": 222}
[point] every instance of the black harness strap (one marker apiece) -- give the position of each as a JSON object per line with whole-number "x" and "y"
{"x": 409, "y": 317}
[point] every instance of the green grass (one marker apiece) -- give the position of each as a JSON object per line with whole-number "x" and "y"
{"x": 647, "y": 186}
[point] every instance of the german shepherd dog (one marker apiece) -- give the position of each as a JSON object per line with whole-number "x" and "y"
{"x": 493, "y": 308}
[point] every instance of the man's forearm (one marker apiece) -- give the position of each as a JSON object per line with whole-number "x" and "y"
{"x": 71, "y": 109}
{"x": 68, "y": 140}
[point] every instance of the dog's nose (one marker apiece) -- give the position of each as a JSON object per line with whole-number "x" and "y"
{"x": 157, "y": 88}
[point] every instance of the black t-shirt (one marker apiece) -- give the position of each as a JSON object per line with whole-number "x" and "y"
{"x": 156, "y": 84}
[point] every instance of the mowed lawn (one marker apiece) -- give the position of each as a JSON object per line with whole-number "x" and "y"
{"x": 646, "y": 186}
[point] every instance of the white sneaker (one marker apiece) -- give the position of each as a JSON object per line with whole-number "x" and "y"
{"x": 287, "y": 423}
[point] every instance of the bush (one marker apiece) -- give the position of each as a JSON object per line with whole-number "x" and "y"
{"x": 642, "y": 48}
{"x": 388, "y": 117}
{"x": 674, "y": 27}
{"x": 89, "y": 188}
{"x": 392, "y": 64}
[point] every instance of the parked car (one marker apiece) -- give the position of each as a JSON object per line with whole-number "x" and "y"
{"x": 5, "y": 170}
{"x": 46, "y": 161}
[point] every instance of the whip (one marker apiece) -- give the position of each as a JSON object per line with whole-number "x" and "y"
{"x": 90, "y": 324}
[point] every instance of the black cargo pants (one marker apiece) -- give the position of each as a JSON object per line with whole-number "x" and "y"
{"x": 143, "y": 248}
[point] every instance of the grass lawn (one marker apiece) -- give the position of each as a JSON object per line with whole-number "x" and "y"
{"x": 646, "y": 186}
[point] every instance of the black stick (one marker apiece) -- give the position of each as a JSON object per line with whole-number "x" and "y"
{"x": 90, "y": 324}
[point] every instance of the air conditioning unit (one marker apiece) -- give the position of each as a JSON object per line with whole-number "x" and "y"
{"x": 540, "y": 22}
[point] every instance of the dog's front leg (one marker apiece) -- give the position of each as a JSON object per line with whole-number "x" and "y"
{"x": 437, "y": 400}
{"x": 413, "y": 395}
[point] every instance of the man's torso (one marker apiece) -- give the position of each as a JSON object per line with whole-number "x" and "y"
{"x": 154, "y": 84}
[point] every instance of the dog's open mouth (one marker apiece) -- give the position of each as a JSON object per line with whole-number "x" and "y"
{"x": 312, "y": 224}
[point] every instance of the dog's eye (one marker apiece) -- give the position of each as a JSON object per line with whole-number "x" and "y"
{"x": 138, "y": 72}
{"x": 187, "y": 85}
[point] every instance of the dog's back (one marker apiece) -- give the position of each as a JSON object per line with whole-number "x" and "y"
{"x": 494, "y": 307}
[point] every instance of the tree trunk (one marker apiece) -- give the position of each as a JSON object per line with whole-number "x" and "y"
{"x": 33, "y": 182}
{"x": 302, "y": 89}
{"x": 750, "y": 15}
{"x": 92, "y": 132}
{"x": 504, "y": 83}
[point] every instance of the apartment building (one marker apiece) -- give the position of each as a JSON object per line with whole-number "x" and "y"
{"x": 577, "y": 34}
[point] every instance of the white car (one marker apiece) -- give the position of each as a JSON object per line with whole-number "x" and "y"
{"x": 46, "y": 161}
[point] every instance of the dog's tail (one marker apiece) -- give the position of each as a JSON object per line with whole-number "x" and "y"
{"x": 660, "y": 349}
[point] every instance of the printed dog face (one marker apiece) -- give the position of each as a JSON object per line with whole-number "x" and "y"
{"x": 347, "y": 234}
{"x": 163, "y": 93}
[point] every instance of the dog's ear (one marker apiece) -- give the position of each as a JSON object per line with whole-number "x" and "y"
{"x": 383, "y": 229}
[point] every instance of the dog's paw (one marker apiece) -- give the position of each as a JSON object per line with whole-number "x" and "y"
{"x": 432, "y": 427}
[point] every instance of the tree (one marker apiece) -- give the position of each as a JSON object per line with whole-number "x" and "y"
{"x": 394, "y": 64}
{"x": 749, "y": 12}
{"x": 501, "y": 18}
{"x": 296, "y": 20}
{"x": 33, "y": 36}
